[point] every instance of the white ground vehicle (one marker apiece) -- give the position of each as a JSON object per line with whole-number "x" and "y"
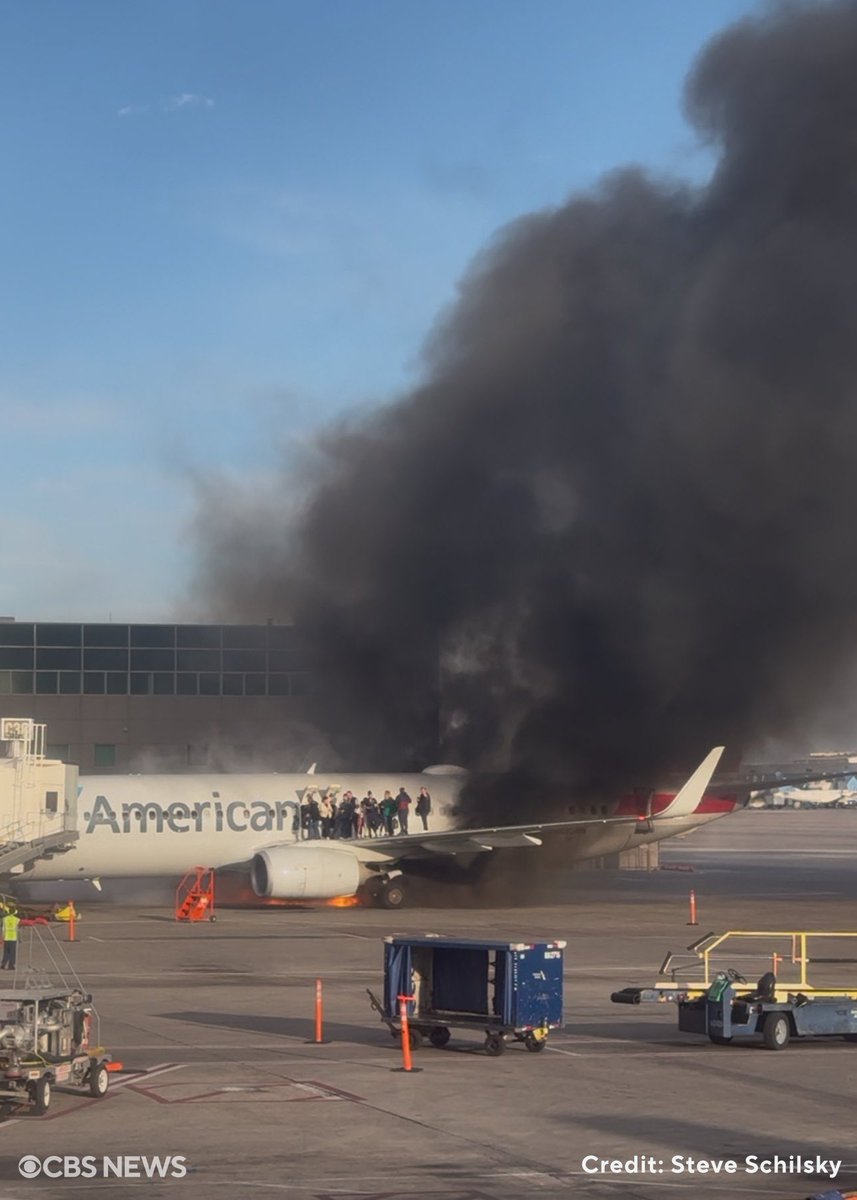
{"x": 45, "y": 1040}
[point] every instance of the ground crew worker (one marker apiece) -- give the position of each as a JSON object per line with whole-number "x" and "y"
{"x": 10, "y": 941}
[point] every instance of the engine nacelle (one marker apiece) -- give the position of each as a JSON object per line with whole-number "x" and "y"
{"x": 304, "y": 873}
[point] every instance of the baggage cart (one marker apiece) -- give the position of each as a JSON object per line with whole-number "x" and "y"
{"x": 510, "y": 991}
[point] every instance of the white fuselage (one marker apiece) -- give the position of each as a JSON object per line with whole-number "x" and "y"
{"x": 139, "y": 825}
{"x": 164, "y": 825}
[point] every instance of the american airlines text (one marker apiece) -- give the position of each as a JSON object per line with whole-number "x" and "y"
{"x": 236, "y": 816}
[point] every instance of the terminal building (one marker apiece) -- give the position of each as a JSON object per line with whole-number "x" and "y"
{"x": 124, "y": 698}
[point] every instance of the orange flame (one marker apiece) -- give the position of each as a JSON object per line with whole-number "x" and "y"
{"x": 342, "y": 902}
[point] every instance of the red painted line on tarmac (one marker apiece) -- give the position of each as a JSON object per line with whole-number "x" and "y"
{"x": 88, "y": 1101}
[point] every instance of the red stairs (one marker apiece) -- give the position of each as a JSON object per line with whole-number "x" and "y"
{"x": 195, "y": 896}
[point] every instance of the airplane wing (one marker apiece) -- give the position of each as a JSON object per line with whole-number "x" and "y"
{"x": 476, "y": 841}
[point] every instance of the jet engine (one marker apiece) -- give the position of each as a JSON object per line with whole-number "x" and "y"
{"x": 304, "y": 873}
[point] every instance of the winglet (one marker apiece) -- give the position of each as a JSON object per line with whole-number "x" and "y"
{"x": 687, "y": 800}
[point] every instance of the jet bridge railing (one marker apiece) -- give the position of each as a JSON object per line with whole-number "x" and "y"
{"x": 788, "y": 953}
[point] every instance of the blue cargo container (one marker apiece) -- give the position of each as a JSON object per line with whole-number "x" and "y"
{"x": 511, "y": 990}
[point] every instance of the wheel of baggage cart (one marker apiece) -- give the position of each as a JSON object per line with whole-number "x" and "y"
{"x": 392, "y": 894}
{"x": 775, "y": 1031}
{"x": 415, "y": 1039}
{"x": 535, "y": 1044}
{"x": 494, "y": 1044}
{"x": 99, "y": 1080}
{"x": 40, "y": 1091}
{"x": 718, "y": 1039}
{"x": 439, "y": 1036}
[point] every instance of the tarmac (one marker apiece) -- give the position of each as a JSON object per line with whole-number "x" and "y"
{"x": 211, "y": 1023}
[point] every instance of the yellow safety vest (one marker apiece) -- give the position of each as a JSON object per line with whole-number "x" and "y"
{"x": 10, "y": 928}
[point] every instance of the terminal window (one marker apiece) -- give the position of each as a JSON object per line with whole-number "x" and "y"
{"x": 59, "y": 635}
{"x": 151, "y": 660}
{"x": 104, "y": 754}
{"x": 16, "y": 635}
{"x": 105, "y": 635}
{"x": 16, "y": 656}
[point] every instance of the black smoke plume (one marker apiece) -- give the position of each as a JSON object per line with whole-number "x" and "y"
{"x": 617, "y": 522}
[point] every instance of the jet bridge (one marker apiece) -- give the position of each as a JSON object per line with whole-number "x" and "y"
{"x": 38, "y": 798}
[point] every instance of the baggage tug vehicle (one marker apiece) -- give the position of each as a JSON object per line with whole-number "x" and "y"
{"x": 45, "y": 1040}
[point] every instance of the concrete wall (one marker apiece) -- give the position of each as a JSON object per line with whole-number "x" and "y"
{"x": 174, "y": 733}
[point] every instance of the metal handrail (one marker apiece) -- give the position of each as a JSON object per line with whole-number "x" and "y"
{"x": 798, "y": 954}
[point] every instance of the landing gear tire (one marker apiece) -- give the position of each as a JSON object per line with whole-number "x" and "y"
{"x": 776, "y": 1032}
{"x": 41, "y": 1096}
{"x": 439, "y": 1036}
{"x": 99, "y": 1080}
{"x": 392, "y": 894}
{"x": 494, "y": 1045}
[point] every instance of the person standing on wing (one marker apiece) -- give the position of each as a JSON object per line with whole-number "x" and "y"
{"x": 423, "y": 806}
{"x": 403, "y": 807}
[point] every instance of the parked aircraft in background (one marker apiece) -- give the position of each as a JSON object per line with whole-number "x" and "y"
{"x": 824, "y": 795}
{"x": 157, "y": 825}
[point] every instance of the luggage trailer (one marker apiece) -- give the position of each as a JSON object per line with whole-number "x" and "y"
{"x": 777, "y": 1009}
{"x": 508, "y": 990}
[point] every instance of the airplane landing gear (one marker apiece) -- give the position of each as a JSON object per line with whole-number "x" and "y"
{"x": 387, "y": 891}
{"x": 393, "y": 894}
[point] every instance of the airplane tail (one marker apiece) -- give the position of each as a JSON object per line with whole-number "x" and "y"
{"x": 687, "y": 800}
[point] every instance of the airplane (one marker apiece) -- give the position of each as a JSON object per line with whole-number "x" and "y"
{"x": 157, "y": 825}
{"x": 825, "y": 796}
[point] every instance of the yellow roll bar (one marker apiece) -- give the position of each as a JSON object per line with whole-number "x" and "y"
{"x": 791, "y": 946}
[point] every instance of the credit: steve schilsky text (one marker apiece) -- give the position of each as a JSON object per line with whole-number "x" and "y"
{"x": 694, "y": 1164}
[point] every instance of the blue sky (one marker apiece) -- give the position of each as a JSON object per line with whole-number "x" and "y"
{"x": 222, "y": 223}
